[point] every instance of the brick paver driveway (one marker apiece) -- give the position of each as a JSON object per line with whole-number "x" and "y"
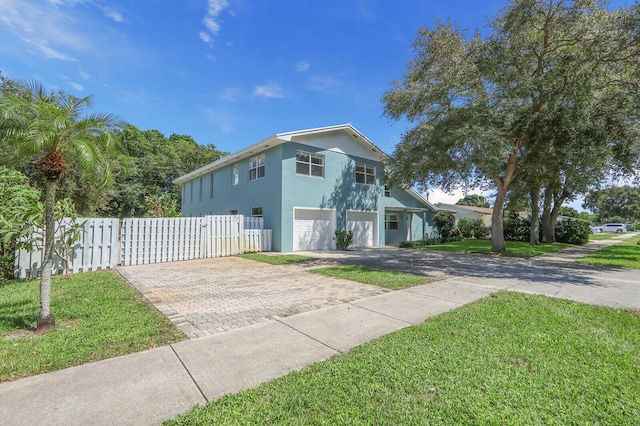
{"x": 208, "y": 296}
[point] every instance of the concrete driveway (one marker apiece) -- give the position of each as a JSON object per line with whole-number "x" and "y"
{"x": 209, "y": 296}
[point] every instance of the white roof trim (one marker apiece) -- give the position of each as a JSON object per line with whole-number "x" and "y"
{"x": 275, "y": 140}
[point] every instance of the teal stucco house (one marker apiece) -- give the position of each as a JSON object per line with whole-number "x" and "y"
{"x": 306, "y": 184}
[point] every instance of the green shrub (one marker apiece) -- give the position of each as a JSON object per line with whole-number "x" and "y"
{"x": 343, "y": 239}
{"x": 6, "y": 266}
{"x": 479, "y": 230}
{"x": 572, "y": 231}
{"x": 465, "y": 227}
{"x": 516, "y": 228}
{"x": 445, "y": 222}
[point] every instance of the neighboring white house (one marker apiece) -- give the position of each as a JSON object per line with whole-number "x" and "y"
{"x": 472, "y": 212}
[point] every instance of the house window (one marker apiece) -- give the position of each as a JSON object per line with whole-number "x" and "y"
{"x": 309, "y": 164}
{"x": 365, "y": 174}
{"x": 256, "y": 167}
{"x": 233, "y": 211}
{"x": 387, "y": 191}
{"x": 392, "y": 222}
{"x": 235, "y": 177}
{"x": 211, "y": 186}
{"x": 256, "y": 211}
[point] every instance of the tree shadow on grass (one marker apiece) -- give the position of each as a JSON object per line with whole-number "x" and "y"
{"x": 11, "y": 316}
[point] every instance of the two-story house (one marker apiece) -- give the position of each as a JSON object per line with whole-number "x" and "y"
{"x": 306, "y": 184}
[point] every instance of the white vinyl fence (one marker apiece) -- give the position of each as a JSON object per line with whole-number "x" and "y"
{"x": 105, "y": 243}
{"x": 96, "y": 249}
{"x": 147, "y": 241}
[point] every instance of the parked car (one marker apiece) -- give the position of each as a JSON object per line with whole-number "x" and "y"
{"x": 614, "y": 227}
{"x": 596, "y": 229}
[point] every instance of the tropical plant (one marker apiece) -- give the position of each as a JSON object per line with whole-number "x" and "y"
{"x": 54, "y": 130}
{"x": 161, "y": 206}
{"x": 343, "y": 239}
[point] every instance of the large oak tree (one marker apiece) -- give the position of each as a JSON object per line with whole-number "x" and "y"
{"x": 489, "y": 109}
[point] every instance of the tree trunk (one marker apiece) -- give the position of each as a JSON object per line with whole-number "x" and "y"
{"x": 45, "y": 318}
{"x": 548, "y": 228}
{"x": 497, "y": 221}
{"x": 534, "y": 234}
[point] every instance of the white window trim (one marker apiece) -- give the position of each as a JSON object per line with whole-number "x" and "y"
{"x": 309, "y": 163}
{"x": 365, "y": 174}
{"x": 257, "y": 159}
{"x": 235, "y": 174}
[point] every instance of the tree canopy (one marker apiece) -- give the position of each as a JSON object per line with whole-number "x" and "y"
{"x": 548, "y": 95}
{"x": 474, "y": 200}
{"x": 617, "y": 201}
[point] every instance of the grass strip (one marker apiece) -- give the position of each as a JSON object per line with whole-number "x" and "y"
{"x": 98, "y": 316}
{"x": 277, "y": 259}
{"x": 625, "y": 254}
{"x": 514, "y": 248}
{"x": 509, "y": 359}
{"x": 374, "y": 276}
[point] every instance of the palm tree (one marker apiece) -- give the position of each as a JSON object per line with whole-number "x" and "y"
{"x": 53, "y": 129}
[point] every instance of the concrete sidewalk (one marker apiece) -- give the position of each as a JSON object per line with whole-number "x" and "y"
{"x": 148, "y": 387}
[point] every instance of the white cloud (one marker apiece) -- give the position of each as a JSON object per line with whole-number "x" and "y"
{"x": 272, "y": 90}
{"x": 113, "y": 14}
{"x": 52, "y": 29}
{"x": 303, "y": 66}
{"x": 221, "y": 118}
{"x": 84, "y": 75}
{"x": 77, "y": 86}
{"x": 323, "y": 83}
{"x": 210, "y": 21}
{"x": 230, "y": 94}
{"x": 205, "y": 37}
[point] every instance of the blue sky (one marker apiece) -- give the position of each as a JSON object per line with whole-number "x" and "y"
{"x": 227, "y": 72}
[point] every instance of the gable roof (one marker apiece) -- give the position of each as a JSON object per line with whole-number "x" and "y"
{"x": 281, "y": 138}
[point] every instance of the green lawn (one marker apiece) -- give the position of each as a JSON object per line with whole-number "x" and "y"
{"x": 603, "y": 236}
{"x": 509, "y": 359}
{"x": 380, "y": 277}
{"x": 625, "y": 254}
{"x": 277, "y": 259}
{"x": 97, "y": 315}
{"x": 514, "y": 248}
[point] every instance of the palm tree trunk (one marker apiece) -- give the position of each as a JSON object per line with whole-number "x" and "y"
{"x": 45, "y": 318}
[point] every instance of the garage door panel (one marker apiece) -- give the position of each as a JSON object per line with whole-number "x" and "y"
{"x": 363, "y": 226}
{"x": 313, "y": 229}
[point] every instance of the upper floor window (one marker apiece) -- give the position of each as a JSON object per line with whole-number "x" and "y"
{"x": 365, "y": 174}
{"x": 387, "y": 191}
{"x": 309, "y": 164}
{"x": 256, "y": 167}
{"x": 235, "y": 176}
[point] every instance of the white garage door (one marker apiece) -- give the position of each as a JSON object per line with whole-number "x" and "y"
{"x": 363, "y": 225}
{"x": 313, "y": 229}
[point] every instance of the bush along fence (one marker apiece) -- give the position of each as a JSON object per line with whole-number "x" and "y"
{"x": 106, "y": 243}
